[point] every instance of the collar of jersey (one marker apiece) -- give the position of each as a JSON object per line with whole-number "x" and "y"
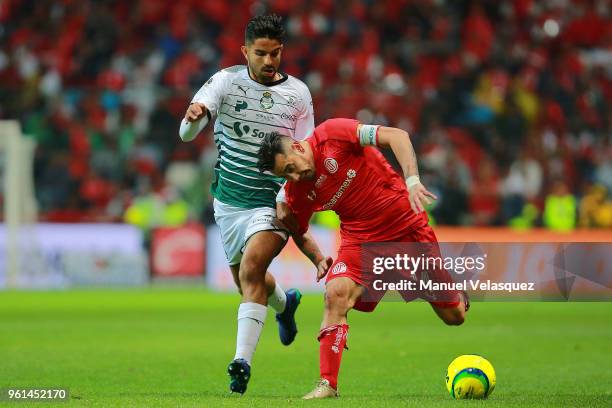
{"x": 284, "y": 77}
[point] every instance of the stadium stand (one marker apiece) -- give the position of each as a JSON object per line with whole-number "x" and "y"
{"x": 508, "y": 102}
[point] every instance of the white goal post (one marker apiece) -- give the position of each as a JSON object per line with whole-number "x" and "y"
{"x": 20, "y": 208}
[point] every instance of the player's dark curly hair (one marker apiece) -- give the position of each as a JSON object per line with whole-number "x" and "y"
{"x": 272, "y": 144}
{"x": 268, "y": 26}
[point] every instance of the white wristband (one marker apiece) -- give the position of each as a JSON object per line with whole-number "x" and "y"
{"x": 412, "y": 181}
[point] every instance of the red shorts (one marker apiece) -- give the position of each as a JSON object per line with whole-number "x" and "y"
{"x": 349, "y": 264}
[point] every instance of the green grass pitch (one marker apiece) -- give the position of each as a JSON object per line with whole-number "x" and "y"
{"x": 170, "y": 347}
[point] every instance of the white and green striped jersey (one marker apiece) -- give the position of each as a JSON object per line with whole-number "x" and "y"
{"x": 245, "y": 112}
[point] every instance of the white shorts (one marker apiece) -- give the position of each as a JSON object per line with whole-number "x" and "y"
{"x": 237, "y": 225}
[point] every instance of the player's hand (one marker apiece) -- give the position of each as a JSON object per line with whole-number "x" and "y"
{"x": 286, "y": 216}
{"x": 420, "y": 197}
{"x": 195, "y": 111}
{"x": 323, "y": 266}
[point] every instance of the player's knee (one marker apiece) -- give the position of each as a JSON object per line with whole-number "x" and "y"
{"x": 253, "y": 265}
{"x": 454, "y": 317}
{"x": 254, "y": 289}
{"x": 455, "y": 321}
{"x": 337, "y": 298}
{"x": 252, "y": 285}
{"x": 250, "y": 271}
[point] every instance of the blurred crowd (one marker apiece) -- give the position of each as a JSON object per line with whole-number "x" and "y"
{"x": 507, "y": 102}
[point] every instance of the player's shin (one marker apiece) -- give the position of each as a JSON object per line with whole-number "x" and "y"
{"x": 332, "y": 341}
{"x": 277, "y": 300}
{"x": 251, "y": 318}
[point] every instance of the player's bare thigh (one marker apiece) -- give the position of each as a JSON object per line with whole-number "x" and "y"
{"x": 259, "y": 251}
{"x": 341, "y": 293}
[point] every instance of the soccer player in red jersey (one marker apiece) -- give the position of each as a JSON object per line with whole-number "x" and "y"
{"x": 339, "y": 168}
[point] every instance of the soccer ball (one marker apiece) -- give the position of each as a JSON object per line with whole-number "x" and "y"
{"x": 470, "y": 377}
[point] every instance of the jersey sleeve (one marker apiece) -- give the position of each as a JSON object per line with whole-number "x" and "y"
{"x": 342, "y": 130}
{"x": 299, "y": 204}
{"x": 305, "y": 123}
{"x": 212, "y": 92}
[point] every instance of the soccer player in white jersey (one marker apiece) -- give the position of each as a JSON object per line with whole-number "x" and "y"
{"x": 249, "y": 102}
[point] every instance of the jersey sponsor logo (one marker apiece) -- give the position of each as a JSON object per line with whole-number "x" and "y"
{"x": 266, "y": 100}
{"x": 241, "y": 129}
{"x": 240, "y": 105}
{"x": 260, "y": 133}
{"x": 244, "y": 89}
{"x": 331, "y": 165}
{"x": 339, "y": 334}
{"x": 320, "y": 181}
{"x": 262, "y": 219}
{"x": 292, "y": 118}
{"x": 340, "y": 267}
{"x": 263, "y": 116}
{"x": 291, "y": 100}
{"x": 350, "y": 175}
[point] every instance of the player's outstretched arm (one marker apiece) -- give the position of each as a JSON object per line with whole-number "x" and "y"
{"x": 309, "y": 247}
{"x": 399, "y": 141}
{"x": 196, "y": 118}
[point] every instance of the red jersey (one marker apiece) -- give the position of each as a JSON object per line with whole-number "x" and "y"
{"x": 355, "y": 182}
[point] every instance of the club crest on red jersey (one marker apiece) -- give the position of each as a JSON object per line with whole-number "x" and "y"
{"x": 331, "y": 165}
{"x": 340, "y": 267}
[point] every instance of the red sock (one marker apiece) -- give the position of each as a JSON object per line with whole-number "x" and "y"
{"x": 332, "y": 341}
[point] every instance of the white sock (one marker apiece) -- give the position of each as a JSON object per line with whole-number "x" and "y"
{"x": 251, "y": 318}
{"x": 278, "y": 299}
